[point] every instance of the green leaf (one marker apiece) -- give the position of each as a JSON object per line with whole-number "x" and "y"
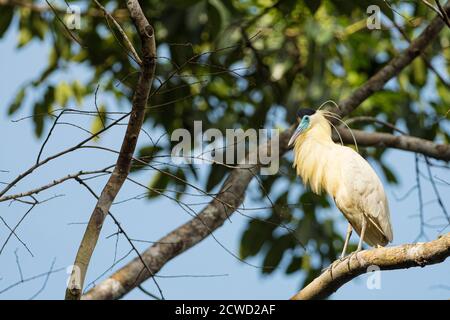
{"x": 145, "y": 155}
{"x": 38, "y": 26}
{"x": 295, "y": 265}
{"x": 347, "y": 7}
{"x": 313, "y": 5}
{"x": 444, "y": 93}
{"x": 15, "y": 105}
{"x": 99, "y": 122}
{"x": 79, "y": 91}
{"x": 185, "y": 3}
{"x": 25, "y": 36}
{"x": 41, "y": 110}
{"x": 253, "y": 239}
{"x": 216, "y": 175}
{"x": 6, "y": 16}
{"x": 306, "y": 263}
{"x": 276, "y": 251}
{"x": 389, "y": 174}
{"x": 214, "y": 20}
{"x": 158, "y": 184}
{"x": 63, "y": 93}
{"x": 419, "y": 72}
{"x": 180, "y": 183}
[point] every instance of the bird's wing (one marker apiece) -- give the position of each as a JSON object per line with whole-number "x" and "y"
{"x": 366, "y": 190}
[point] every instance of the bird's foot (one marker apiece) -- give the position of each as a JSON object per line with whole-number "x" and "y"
{"x": 350, "y": 256}
{"x": 334, "y": 264}
{"x": 338, "y": 261}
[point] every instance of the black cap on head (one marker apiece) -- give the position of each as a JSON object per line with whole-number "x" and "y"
{"x": 305, "y": 111}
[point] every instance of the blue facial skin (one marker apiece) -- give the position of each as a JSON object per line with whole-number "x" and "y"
{"x": 304, "y": 124}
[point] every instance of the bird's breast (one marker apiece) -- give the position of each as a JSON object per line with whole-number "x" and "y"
{"x": 314, "y": 164}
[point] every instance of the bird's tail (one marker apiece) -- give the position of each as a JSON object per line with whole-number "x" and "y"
{"x": 375, "y": 236}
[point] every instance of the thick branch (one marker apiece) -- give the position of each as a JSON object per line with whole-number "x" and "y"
{"x": 402, "y": 142}
{"x": 400, "y": 257}
{"x": 123, "y": 164}
{"x": 215, "y": 213}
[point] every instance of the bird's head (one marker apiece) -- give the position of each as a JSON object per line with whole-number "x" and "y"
{"x": 307, "y": 118}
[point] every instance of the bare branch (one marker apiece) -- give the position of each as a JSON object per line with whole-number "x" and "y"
{"x": 24, "y": 280}
{"x": 400, "y": 257}
{"x": 436, "y": 191}
{"x": 52, "y": 184}
{"x": 123, "y": 164}
{"x": 436, "y": 10}
{"x": 422, "y": 54}
{"x": 445, "y": 15}
{"x": 71, "y": 34}
{"x": 122, "y": 231}
{"x": 439, "y": 10}
{"x": 57, "y": 155}
{"x": 47, "y": 277}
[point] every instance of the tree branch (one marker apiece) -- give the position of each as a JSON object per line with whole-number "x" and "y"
{"x": 402, "y": 142}
{"x": 400, "y": 257}
{"x": 393, "y": 68}
{"x": 123, "y": 164}
{"x": 128, "y": 44}
{"x": 422, "y": 54}
{"x": 234, "y": 187}
{"x": 52, "y": 184}
{"x": 439, "y": 10}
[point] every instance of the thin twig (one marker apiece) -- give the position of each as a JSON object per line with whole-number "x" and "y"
{"x": 125, "y": 38}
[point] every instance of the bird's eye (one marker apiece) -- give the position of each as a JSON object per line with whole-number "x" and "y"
{"x": 306, "y": 117}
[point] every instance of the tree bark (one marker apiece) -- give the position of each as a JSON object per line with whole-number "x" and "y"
{"x": 400, "y": 257}
{"x": 123, "y": 163}
{"x": 401, "y": 142}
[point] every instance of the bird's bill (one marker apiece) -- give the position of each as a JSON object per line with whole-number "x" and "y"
{"x": 297, "y": 132}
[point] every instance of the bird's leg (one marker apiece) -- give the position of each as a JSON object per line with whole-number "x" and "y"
{"x": 347, "y": 239}
{"x": 361, "y": 239}
{"x": 363, "y": 231}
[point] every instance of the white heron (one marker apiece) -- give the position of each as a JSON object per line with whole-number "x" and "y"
{"x": 345, "y": 175}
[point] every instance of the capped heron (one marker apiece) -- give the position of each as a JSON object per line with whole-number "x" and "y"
{"x": 346, "y": 176}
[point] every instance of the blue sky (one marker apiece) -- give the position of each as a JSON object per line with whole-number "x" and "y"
{"x": 51, "y": 234}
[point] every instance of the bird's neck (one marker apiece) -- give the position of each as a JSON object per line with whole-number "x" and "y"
{"x": 312, "y": 152}
{"x": 319, "y": 134}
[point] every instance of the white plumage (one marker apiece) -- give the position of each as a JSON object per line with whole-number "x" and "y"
{"x": 346, "y": 176}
